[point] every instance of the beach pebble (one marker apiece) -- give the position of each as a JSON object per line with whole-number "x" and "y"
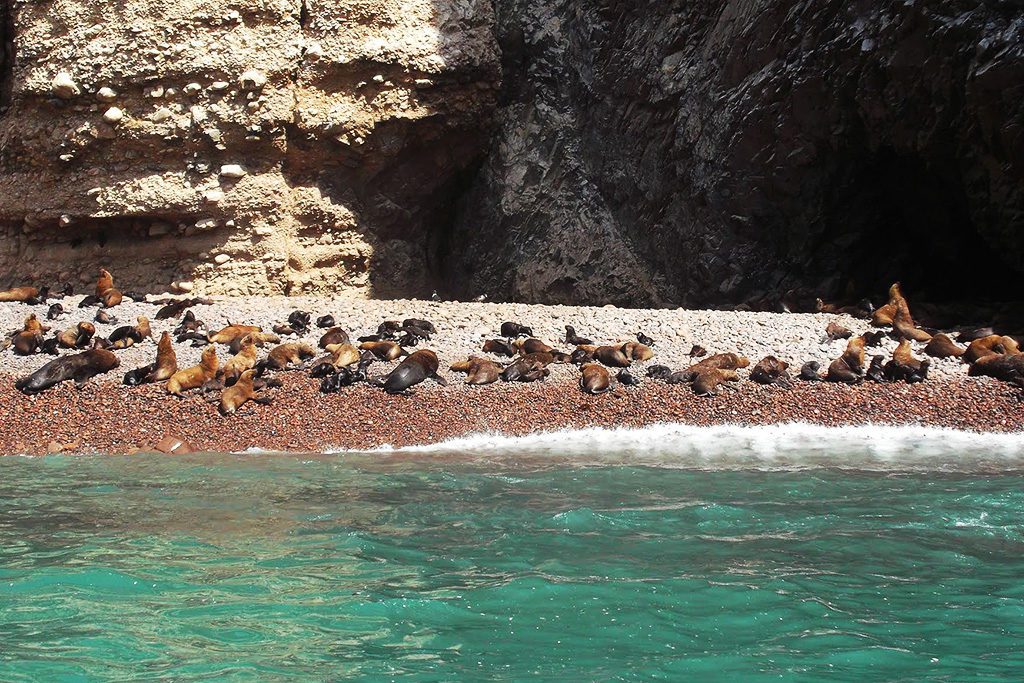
{"x": 113, "y": 115}
{"x": 252, "y": 80}
{"x": 63, "y": 86}
{"x": 232, "y": 171}
{"x": 106, "y": 94}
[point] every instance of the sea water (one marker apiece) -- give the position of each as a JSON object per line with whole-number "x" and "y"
{"x": 795, "y": 554}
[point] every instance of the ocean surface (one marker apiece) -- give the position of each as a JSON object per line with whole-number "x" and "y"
{"x": 676, "y": 554}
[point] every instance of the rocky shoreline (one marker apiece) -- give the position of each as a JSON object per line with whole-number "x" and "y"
{"x": 107, "y": 417}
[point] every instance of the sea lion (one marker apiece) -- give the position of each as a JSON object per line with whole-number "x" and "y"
{"x": 238, "y": 394}
{"x": 574, "y": 339}
{"x": 661, "y": 372}
{"x": 104, "y": 282}
{"x": 424, "y": 325}
{"x": 172, "y": 308}
{"x": 531, "y": 345}
{"x": 849, "y": 366}
{"x": 836, "y": 331}
{"x": 343, "y": 355}
{"x": 261, "y": 339}
{"x": 385, "y": 350}
{"x": 78, "y": 367}
{"x": 863, "y": 310}
{"x": 905, "y": 330}
{"x": 232, "y": 332}
{"x": 884, "y": 316}
{"x": 414, "y": 368}
{"x": 941, "y": 346}
{"x": 413, "y": 334}
{"x": 285, "y": 355}
{"x": 104, "y": 318}
{"x": 335, "y": 335}
{"x": 707, "y": 380}
{"x": 135, "y": 296}
{"x": 873, "y": 339}
{"x": 809, "y": 371}
{"x": 560, "y": 357}
{"x": 904, "y": 366}
{"x": 1005, "y": 367}
{"x": 992, "y": 344}
{"x": 77, "y": 337}
{"x": 27, "y": 341}
{"x": 478, "y": 370}
{"x": 244, "y": 360}
{"x": 771, "y": 370}
{"x": 344, "y": 377}
{"x": 498, "y": 347}
{"x": 611, "y": 356}
{"x": 189, "y": 323}
{"x": 643, "y": 339}
{"x": 594, "y": 379}
{"x": 637, "y": 351}
{"x": 299, "y": 320}
{"x": 627, "y": 379}
{"x": 388, "y": 329}
{"x": 697, "y": 351}
{"x": 526, "y": 369}
{"x": 195, "y": 376}
{"x": 583, "y": 354}
{"x": 511, "y": 330}
{"x": 55, "y": 311}
{"x": 325, "y": 321}
{"x": 876, "y": 369}
{"x": 165, "y": 366}
{"x": 967, "y": 336}
{"x": 130, "y": 335}
{"x": 20, "y": 294}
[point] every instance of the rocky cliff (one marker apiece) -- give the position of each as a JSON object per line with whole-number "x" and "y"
{"x": 643, "y": 153}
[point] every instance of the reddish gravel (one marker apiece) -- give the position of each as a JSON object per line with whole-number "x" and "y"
{"x": 108, "y": 418}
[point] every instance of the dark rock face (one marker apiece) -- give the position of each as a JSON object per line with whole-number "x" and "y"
{"x": 695, "y": 153}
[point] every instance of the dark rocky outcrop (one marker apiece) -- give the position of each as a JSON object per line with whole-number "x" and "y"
{"x": 670, "y": 152}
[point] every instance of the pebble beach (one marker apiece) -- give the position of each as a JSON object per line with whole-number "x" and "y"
{"x": 105, "y": 416}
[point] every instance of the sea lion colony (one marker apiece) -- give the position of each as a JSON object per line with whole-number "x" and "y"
{"x": 240, "y": 373}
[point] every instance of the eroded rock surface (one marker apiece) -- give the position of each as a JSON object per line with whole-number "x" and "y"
{"x": 253, "y": 146}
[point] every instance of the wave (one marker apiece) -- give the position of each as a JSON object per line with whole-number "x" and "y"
{"x": 772, "y": 447}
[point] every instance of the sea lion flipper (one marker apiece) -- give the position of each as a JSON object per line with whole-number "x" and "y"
{"x": 263, "y": 400}
{"x": 439, "y": 379}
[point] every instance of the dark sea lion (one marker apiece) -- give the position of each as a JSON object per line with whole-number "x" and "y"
{"x": 644, "y": 339}
{"x": 195, "y": 376}
{"x": 135, "y": 296}
{"x": 560, "y": 357}
{"x": 627, "y": 379}
{"x": 389, "y": 329}
{"x": 594, "y": 379}
{"x": 771, "y": 370}
{"x": 611, "y": 356}
{"x": 876, "y": 369}
{"x": 478, "y": 370}
{"x": 344, "y": 377}
{"x": 697, "y": 351}
{"x": 384, "y": 350}
{"x": 637, "y": 351}
{"x": 413, "y": 369}
{"x": 104, "y": 318}
{"x": 325, "y": 321}
{"x": 425, "y": 325}
{"x": 499, "y": 347}
{"x": 942, "y": 346}
{"x": 836, "y": 331}
{"x": 89, "y": 301}
{"x": 411, "y": 340}
{"x": 299, "y": 320}
{"x": 511, "y": 330}
{"x": 873, "y": 339}
{"x": 583, "y": 354}
{"x": 809, "y": 371}
{"x": 189, "y": 324}
{"x": 335, "y": 335}
{"x": 238, "y": 394}
{"x": 661, "y": 372}
{"x": 55, "y": 311}
{"x": 967, "y": 336}
{"x": 172, "y": 308}
{"x": 862, "y": 310}
{"x": 50, "y": 346}
{"x": 19, "y": 294}
{"x": 531, "y": 345}
{"x": 129, "y": 335}
{"x": 1005, "y": 367}
{"x": 79, "y": 367}
{"x": 573, "y": 339}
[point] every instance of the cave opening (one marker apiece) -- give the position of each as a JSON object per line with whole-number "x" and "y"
{"x": 901, "y": 218}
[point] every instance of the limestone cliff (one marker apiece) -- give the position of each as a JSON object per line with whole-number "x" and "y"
{"x": 578, "y": 151}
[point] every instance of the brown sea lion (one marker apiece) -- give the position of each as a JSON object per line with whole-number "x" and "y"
{"x": 128, "y": 335}
{"x": 611, "y": 356}
{"x": 104, "y": 282}
{"x": 637, "y": 351}
{"x": 78, "y": 367}
{"x": 244, "y": 360}
{"x": 836, "y": 331}
{"x": 531, "y": 345}
{"x": 862, "y": 310}
{"x": 992, "y": 344}
{"x": 27, "y": 341}
{"x": 526, "y": 369}
{"x": 239, "y": 393}
{"x": 905, "y": 366}
{"x": 385, "y": 350}
{"x": 771, "y": 370}
{"x": 195, "y": 376}
{"x": 165, "y": 366}
{"x": 22, "y": 294}
{"x": 77, "y": 337}
{"x": 941, "y": 346}
{"x": 285, "y": 355}
{"x": 594, "y": 379}
{"x": 343, "y": 355}
{"x": 499, "y": 347}
{"x": 708, "y": 379}
{"x": 478, "y": 370}
{"x": 850, "y": 366}
{"x": 414, "y": 368}
{"x": 111, "y": 298}
{"x": 1005, "y": 367}
{"x": 904, "y": 330}
{"x": 230, "y": 333}
{"x": 335, "y": 335}
{"x": 261, "y": 339}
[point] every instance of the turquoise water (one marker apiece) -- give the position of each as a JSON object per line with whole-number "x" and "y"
{"x": 458, "y": 568}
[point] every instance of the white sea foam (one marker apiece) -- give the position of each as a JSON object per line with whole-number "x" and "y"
{"x": 782, "y": 446}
